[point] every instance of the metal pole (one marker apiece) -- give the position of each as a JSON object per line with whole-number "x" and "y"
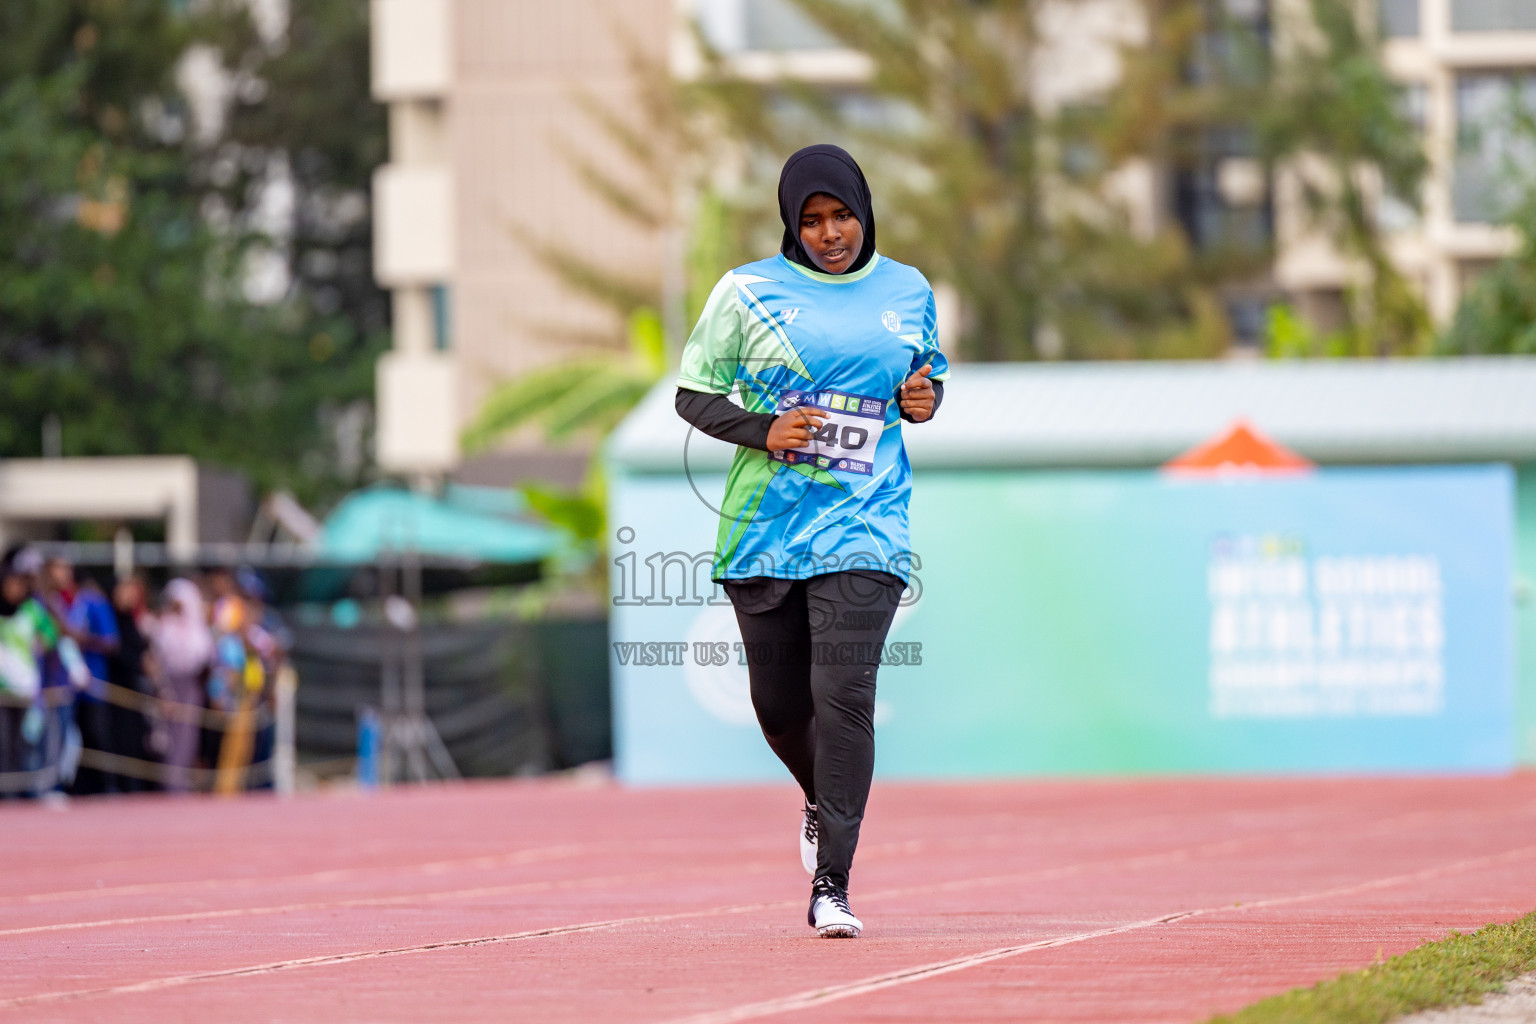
{"x": 389, "y": 670}
{"x": 285, "y": 762}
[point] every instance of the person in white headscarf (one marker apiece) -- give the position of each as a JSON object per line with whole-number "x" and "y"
{"x": 183, "y": 648}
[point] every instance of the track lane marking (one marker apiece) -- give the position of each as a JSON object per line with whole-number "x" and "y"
{"x": 799, "y": 1000}
{"x": 484, "y": 862}
{"x": 482, "y": 892}
{"x": 491, "y": 860}
{"x": 536, "y": 854}
{"x": 1041, "y": 874}
{"x": 563, "y": 850}
{"x": 906, "y": 976}
{"x": 272, "y": 967}
{"x": 544, "y": 885}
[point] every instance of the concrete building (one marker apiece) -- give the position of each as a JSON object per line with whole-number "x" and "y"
{"x": 484, "y": 101}
{"x": 1461, "y": 61}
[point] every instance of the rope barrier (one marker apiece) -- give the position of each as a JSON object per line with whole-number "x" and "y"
{"x": 38, "y": 780}
{"x": 52, "y": 697}
{"x": 122, "y": 696}
{"x": 154, "y": 771}
{"x": 239, "y": 728}
{"x": 45, "y": 778}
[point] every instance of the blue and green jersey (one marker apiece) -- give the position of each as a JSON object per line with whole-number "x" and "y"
{"x": 782, "y": 336}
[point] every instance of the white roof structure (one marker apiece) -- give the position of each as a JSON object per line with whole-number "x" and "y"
{"x": 1144, "y": 413}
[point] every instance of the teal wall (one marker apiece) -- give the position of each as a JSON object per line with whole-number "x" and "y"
{"x": 1525, "y": 613}
{"x": 1068, "y": 624}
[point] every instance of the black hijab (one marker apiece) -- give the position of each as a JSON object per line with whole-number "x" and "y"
{"x": 829, "y": 169}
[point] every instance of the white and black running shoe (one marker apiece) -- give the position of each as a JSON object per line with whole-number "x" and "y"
{"x": 809, "y": 829}
{"x": 829, "y": 913}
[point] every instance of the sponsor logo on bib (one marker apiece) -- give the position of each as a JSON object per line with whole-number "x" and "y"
{"x": 891, "y": 320}
{"x": 847, "y": 437}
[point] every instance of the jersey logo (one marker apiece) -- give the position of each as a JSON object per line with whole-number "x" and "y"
{"x": 891, "y": 320}
{"x": 787, "y": 316}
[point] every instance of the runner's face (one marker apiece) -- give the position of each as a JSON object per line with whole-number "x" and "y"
{"x": 830, "y": 233}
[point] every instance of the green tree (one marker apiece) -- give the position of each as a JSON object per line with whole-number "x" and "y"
{"x": 301, "y": 110}
{"x": 984, "y": 183}
{"x": 1497, "y": 315}
{"x": 1336, "y": 119}
{"x": 586, "y": 394}
{"x": 1012, "y": 200}
{"x": 121, "y": 307}
{"x": 1301, "y": 93}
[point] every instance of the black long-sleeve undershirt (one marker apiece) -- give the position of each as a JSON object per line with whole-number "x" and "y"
{"x": 717, "y": 416}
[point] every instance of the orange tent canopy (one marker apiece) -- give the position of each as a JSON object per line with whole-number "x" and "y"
{"x": 1240, "y": 448}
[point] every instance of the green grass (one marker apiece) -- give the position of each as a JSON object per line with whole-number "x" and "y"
{"x": 1456, "y": 970}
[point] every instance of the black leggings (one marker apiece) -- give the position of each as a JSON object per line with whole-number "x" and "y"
{"x": 813, "y": 648}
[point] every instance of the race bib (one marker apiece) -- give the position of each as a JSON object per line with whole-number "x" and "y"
{"x": 848, "y": 436}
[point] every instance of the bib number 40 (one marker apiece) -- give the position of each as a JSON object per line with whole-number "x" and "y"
{"x": 851, "y": 436}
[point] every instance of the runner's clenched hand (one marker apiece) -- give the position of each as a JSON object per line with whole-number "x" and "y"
{"x": 917, "y": 394}
{"x": 795, "y": 428}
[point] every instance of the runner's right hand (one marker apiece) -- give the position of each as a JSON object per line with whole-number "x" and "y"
{"x": 795, "y": 428}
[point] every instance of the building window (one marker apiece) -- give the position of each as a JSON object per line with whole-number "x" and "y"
{"x": 780, "y": 25}
{"x": 1397, "y": 212}
{"x": 1248, "y": 315}
{"x": 734, "y": 26}
{"x": 1234, "y": 33}
{"x": 1399, "y": 18}
{"x": 442, "y": 335}
{"x": 1491, "y": 143}
{"x": 1221, "y": 194}
{"x": 1493, "y": 16}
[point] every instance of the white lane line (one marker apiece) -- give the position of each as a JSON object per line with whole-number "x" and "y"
{"x": 823, "y": 995}
{"x": 178, "y": 980}
{"x": 546, "y": 885}
{"x": 874, "y": 852}
{"x": 556, "y": 852}
{"x": 483, "y": 862}
{"x": 906, "y": 976}
{"x": 404, "y": 899}
{"x": 1042, "y": 874}
{"x": 752, "y": 1010}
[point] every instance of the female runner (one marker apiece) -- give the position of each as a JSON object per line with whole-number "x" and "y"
{"x": 830, "y": 346}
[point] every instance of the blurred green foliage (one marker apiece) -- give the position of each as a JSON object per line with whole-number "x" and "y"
{"x": 1337, "y": 109}
{"x": 301, "y": 109}
{"x": 1017, "y": 200}
{"x": 1497, "y": 315}
{"x": 124, "y": 257}
{"x": 1289, "y": 336}
{"x": 586, "y": 394}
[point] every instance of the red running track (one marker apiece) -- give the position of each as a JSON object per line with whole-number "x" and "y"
{"x": 552, "y": 901}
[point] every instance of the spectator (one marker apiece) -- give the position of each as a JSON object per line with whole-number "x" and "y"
{"x": 50, "y": 724}
{"x": 90, "y": 622}
{"x": 20, "y": 678}
{"x": 273, "y": 641}
{"x": 129, "y": 669}
{"x": 183, "y": 649}
{"x": 259, "y": 596}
